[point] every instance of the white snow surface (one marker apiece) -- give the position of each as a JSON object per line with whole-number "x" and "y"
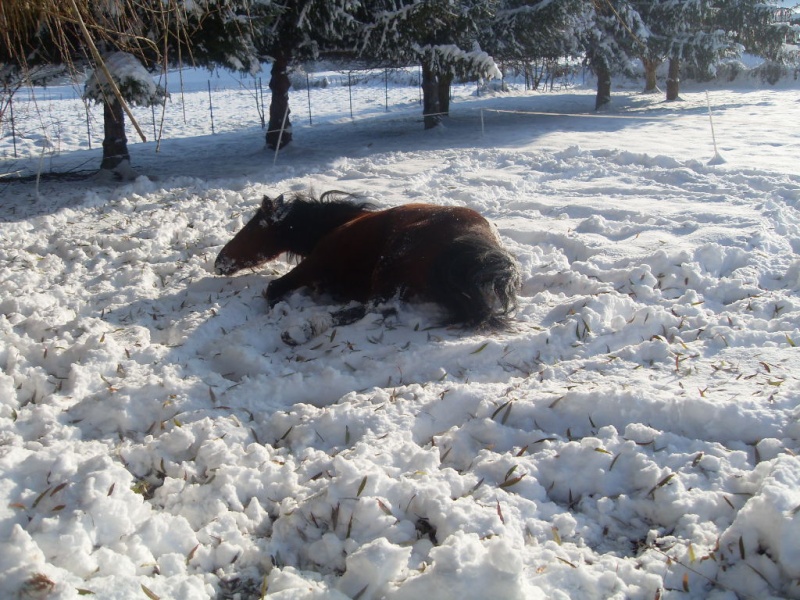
{"x": 634, "y": 434}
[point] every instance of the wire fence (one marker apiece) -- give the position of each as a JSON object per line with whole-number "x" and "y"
{"x": 43, "y": 122}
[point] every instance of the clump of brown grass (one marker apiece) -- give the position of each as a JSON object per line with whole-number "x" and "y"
{"x": 55, "y": 31}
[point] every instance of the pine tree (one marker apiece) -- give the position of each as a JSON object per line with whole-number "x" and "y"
{"x": 439, "y": 35}
{"x": 752, "y": 25}
{"x": 205, "y": 33}
{"x": 136, "y": 86}
{"x": 301, "y": 30}
{"x": 532, "y": 31}
{"x": 151, "y": 33}
{"x": 612, "y": 34}
{"x": 652, "y": 55}
{"x": 681, "y": 31}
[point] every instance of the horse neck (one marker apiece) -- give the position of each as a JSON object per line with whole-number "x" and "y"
{"x": 309, "y": 222}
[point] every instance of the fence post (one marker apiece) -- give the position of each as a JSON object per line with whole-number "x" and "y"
{"x": 13, "y": 128}
{"x": 88, "y": 129}
{"x": 210, "y": 106}
{"x": 350, "y": 92}
{"x": 308, "y": 91}
{"x": 280, "y": 135}
{"x": 183, "y": 98}
{"x": 386, "y": 81}
{"x": 717, "y": 159}
{"x": 258, "y": 106}
{"x": 263, "y": 106}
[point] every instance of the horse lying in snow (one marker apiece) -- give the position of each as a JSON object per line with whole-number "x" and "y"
{"x": 447, "y": 255}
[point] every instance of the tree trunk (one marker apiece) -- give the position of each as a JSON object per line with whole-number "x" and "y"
{"x": 430, "y": 98}
{"x": 650, "y": 82}
{"x": 115, "y": 143}
{"x": 603, "y": 72}
{"x": 673, "y": 79}
{"x": 279, "y": 105}
{"x": 444, "y": 94}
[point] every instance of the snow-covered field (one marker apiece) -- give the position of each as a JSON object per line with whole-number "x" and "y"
{"x": 633, "y": 435}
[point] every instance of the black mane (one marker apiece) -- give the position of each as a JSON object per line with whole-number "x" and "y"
{"x": 308, "y": 219}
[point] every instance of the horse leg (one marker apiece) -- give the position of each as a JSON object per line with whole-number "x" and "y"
{"x": 303, "y": 275}
{"x": 347, "y": 316}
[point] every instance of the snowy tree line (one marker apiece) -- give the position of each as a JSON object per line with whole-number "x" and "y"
{"x": 124, "y": 40}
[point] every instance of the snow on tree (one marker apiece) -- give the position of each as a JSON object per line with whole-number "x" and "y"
{"x": 532, "y": 36}
{"x": 157, "y": 33}
{"x": 612, "y": 34}
{"x": 301, "y": 30}
{"x": 534, "y": 29}
{"x": 135, "y": 84}
{"x": 440, "y": 35}
{"x": 681, "y": 31}
{"x": 442, "y": 40}
{"x": 754, "y": 25}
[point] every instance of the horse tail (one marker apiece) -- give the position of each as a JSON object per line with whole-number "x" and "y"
{"x": 476, "y": 281}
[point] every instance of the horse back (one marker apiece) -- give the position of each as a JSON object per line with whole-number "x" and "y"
{"x": 398, "y": 248}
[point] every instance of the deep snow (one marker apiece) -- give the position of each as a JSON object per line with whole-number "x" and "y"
{"x": 634, "y": 435}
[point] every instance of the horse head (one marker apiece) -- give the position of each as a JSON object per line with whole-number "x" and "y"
{"x": 259, "y": 241}
{"x": 294, "y": 225}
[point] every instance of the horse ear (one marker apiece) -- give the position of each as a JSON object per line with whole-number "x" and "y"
{"x": 274, "y": 210}
{"x": 280, "y": 209}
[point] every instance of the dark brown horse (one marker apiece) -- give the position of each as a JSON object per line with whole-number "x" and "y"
{"x": 447, "y": 255}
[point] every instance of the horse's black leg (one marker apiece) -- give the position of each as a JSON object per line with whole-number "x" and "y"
{"x": 303, "y": 275}
{"x": 274, "y": 292}
{"x": 346, "y": 316}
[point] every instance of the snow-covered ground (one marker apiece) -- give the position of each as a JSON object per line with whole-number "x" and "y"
{"x": 633, "y": 435}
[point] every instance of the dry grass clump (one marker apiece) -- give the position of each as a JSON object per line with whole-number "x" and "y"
{"x": 34, "y": 32}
